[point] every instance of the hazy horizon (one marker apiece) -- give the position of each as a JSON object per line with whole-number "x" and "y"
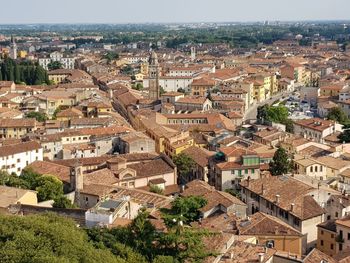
{"x": 166, "y": 11}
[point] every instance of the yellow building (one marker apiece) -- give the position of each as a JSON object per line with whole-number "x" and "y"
{"x": 11, "y": 196}
{"x": 178, "y": 143}
{"x": 17, "y": 128}
{"x": 272, "y": 232}
{"x": 68, "y": 114}
{"x": 201, "y": 86}
{"x": 326, "y": 234}
{"x": 22, "y": 54}
{"x": 139, "y": 77}
{"x": 259, "y": 91}
{"x": 58, "y": 75}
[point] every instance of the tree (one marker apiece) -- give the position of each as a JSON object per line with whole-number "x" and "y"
{"x": 47, "y": 238}
{"x": 57, "y": 110}
{"x": 110, "y": 56}
{"x": 262, "y": 114}
{"x": 17, "y": 74}
{"x": 164, "y": 259}
{"x": 39, "y": 116}
{"x": 40, "y": 76}
{"x": 234, "y": 192}
{"x": 185, "y": 244}
{"x": 289, "y": 125}
{"x": 161, "y": 91}
{"x": 139, "y": 242}
{"x": 344, "y": 137}
{"x": 277, "y": 114}
{"x": 184, "y": 164}
{"x": 54, "y": 65}
{"x": 156, "y": 189}
{"x": 280, "y": 163}
{"x": 49, "y": 188}
{"x": 338, "y": 115}
{"x": 185, "y": 209}
{"x": 62, "y": 202}
{"x": 181, "y": 90}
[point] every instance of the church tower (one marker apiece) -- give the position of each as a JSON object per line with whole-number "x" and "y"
{"x": 153, "y": 75}
{"x": 193, "y": 54}
{"x": 13, "y": 52}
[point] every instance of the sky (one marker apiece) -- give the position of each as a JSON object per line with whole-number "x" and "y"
{"x": 168, "y": 11}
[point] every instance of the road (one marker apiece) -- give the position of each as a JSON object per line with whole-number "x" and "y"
{"x": 250, "y": 113}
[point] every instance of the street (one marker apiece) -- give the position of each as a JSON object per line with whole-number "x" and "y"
{"x": 251, "y": 113}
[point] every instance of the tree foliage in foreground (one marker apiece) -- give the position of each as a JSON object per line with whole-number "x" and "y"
{"x": 49, "y": 238}
{"x": 140, "y": 242}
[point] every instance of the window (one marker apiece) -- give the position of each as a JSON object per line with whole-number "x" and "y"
{"x": 332, "y": 246}
{"x": 340, "y": 247}
{"x": 311, "y": 169}
{"x": 18, "y": 160}
{"x": 296, "y": 221}
{"x": 246, "y": 171}
{"x": 336, "y": 214}
{"x": 322, "y": 232}
{"x": 321, "y": 242}
{"x": 253, "y": 171}
{"x": 348, "y": 236}
{"x": 86, "y": 199}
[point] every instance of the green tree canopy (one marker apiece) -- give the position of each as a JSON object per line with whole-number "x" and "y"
{"x": 184, "y": 164}
{"x": 62, "y": 202}
{"x": 23, "y": 72}
{"x": 110, "y": 56}
{"x": 277, "y": 113}
{"x": 142, "y": 243}
{"x": 39, "y": 116}
{"x": 54, "y": 65}
{"x": 47, "y": 186}
{"x": 338, "y": 115}
{"x": 185, "y": 209}
{"x": 48, "y": 238}
{"x": 280, "y": 163}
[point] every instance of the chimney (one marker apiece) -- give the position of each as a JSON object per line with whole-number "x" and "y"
{"x": 292, "y": 207}
{"x": 277, "y": 199}
{"x": 231, "y": 255}
{"x": 261, "y": 257}
{"x": 116, "y": 163}
{"x": 262, "y": 189}
{"x": 182, "y": 188}
{"x": 248, "y": 181}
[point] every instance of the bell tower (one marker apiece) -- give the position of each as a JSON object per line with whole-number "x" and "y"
{"x": 153, "y": 75}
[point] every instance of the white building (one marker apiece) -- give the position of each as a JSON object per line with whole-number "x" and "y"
{"x": 316, "y": 129}
{"x": 15, "y": 157}
{"x": 170, "y": 84}
{"x": 66, "y": 61}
